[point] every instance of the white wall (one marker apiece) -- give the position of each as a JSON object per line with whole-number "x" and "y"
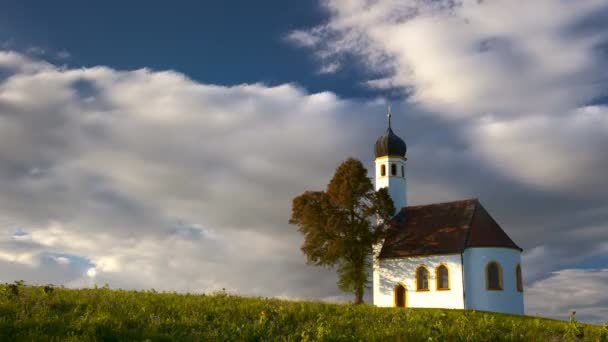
{"x": 396, "y": 184}
{"x": 375, "y": 271}
{"x": 477, "y": 297}
{"x": 389, "y": 272}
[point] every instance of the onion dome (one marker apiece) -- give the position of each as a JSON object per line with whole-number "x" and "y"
{"x": 389, "y": 144}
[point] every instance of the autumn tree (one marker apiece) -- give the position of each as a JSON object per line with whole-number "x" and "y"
{"x": 342, "y": 223}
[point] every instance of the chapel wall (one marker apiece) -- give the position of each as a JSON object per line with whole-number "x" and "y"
{"x": 391, "y": 272}
{"x": 478, "y": 297}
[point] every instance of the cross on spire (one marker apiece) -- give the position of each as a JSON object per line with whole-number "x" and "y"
{"x": 388, "y": 115}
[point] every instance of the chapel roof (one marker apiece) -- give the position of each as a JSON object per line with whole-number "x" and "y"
{"x": 443, "y": 228}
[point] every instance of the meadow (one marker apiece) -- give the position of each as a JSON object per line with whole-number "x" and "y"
{"x": 46, "y": 313}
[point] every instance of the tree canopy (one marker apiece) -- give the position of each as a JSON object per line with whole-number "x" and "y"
{"x": 343, "y": 223}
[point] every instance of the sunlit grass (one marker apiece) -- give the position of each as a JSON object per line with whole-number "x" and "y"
{"x": 46, "y": 313}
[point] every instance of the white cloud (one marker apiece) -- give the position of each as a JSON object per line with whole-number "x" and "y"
{"x": 381, "y": 83}
{"x": 554, "y": 152}
{"x": 518, "y": 76}
{"x": 583, "y": 291}
{"x": 62, "y": 260}
{"x": 24, "y": 258}
{"x": 330, "y": 68}
{"x": 304, "y": 38}
{"x": 110, "y": 162}
{"x": 469, "y": 57}
{"x": 19, "y": 63}
{"x": 91, "y": 272}
{"x": 103, "y": 165}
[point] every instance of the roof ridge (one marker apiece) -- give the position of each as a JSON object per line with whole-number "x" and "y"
{"x": 441, "y": 203}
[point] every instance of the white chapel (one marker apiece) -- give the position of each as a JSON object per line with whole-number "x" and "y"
{"x": 441, "y": 255}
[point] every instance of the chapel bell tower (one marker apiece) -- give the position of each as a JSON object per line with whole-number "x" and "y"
{"x": 390, "y": 166}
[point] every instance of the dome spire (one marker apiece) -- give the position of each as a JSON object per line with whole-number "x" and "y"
{"x": 389, "y": 144}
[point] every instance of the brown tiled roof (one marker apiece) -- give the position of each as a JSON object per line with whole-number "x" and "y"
{"x": 443, "y": 228}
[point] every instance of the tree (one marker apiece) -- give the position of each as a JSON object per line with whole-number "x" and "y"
{"x": 342, "y": 224}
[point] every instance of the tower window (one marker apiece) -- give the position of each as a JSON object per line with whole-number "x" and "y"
{"x": 422, "y": 278}
{"x": 393, "y": 169}
{"x": 443, "y": 278}
{"x": 382, "y": 170}
{"x": 520, "y": 286}
{"x": 493, "y": 276}
{"x": 402, "y": 171}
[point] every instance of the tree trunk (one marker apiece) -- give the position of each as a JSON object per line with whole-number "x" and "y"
{"x": 359, "y": 296}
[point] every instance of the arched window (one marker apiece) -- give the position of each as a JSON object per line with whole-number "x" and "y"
{"x": 493, "y": 276}
{"x": 402, "y": 171}
{"x": 383, "y": 170}
{"x": 520, "y": 286}
{"x": 443, "y": 278}
{"x": 422, "y": 279}
{"x": 400, "y": 294}
{"x": 393, "y": 169}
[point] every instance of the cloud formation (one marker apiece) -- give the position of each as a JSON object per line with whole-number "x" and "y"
{"x": 564, "y": 292}
{"x": 521, "y": 76}
{"x": 518, "y": 84}
{"x": 469, "y": 57}
{"x": 148, "y": 179}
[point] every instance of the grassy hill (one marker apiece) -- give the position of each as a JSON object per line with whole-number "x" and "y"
{"x": 46, "y": 313}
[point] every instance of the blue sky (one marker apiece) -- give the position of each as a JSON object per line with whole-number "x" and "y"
{"x": 220, "y": 42}
{"x": 147, "y": 145}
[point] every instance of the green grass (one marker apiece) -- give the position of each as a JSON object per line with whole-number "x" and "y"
{"x": 43, "y": 314}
